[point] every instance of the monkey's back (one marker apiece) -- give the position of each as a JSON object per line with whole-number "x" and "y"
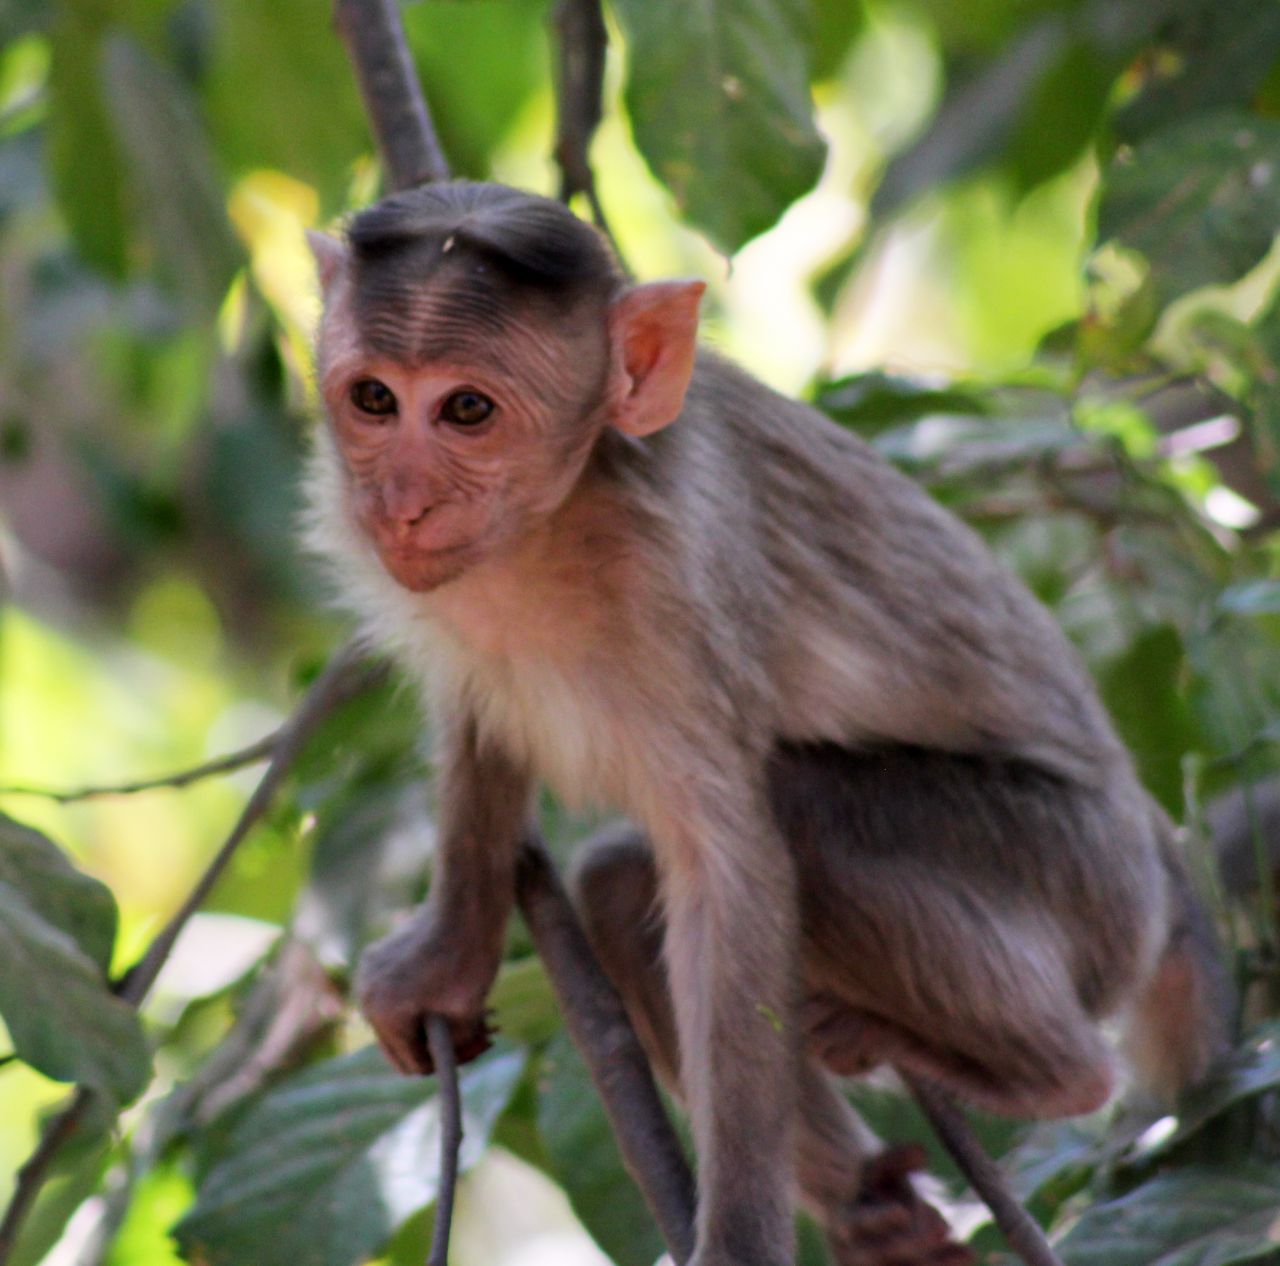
{"x": 886, "y": 618}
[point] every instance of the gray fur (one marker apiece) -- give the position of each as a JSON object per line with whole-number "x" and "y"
{"x": 885, "y": 817}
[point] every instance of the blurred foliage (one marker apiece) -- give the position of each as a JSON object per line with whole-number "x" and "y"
{"x": 1026, "y": 248}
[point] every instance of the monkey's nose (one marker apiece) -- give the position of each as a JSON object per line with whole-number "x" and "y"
{"x": 406, "y": 509}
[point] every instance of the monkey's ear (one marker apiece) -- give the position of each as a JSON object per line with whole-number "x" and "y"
{"x": 330, "y": 254}
{"x": 654, "y": 333}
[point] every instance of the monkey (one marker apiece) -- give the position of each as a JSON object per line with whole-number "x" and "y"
{"x": 875, "y": 811}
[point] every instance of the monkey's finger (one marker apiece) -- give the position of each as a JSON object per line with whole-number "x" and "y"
{"x": 890, "y": 1170}
{"x": 879, "y": 1220}
{"x": 472, "y": 1036}
{"x": 405, "y": 1045}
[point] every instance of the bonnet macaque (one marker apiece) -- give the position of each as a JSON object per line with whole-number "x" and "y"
{"x": 879, "y": 813}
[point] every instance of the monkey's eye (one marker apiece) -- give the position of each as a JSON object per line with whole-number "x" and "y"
{"x": 466, "y": 408}
{"x": 371, "y": 396}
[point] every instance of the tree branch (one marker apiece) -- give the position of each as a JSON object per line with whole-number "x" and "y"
{"x": 182, "y": 778}
{"x": 440, "y": 1044}
{"x": 581, "y": 48}
{"x": 344, "y": 678}
{"x": 1021, "y": 1231}
{"x": 35, "y": 1169}
{"x": 373, "y": 33}
{"x": 619, "y": 1068}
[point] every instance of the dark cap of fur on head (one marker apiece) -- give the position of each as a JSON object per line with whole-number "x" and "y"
{"x": 483, "y": 249}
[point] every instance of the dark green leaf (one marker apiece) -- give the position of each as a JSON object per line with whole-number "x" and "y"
{"x": 1192, "y": 1217}
{"x": 70, "y": 900}
{"x": 20, "y": 17}
{"x": 173, "y": 178}
{"x": 523, "y": 1003}
{"x": 1251, "y": 1070}
{"x": 1058, "y": 1154}
{"x": 585, "y": 1160}
{"x": 85, "y": 164}
{"x": 976, "y": 117}
{"x": 1063, "y": 112}
{"x": 75, "y": 1175}
{"x": 1200, "y": 200}
{"x": 368, "y": 859}
{"x": 873, "y": 401}
{"x": 718, "y": 94}
{"x": 324, "y": 1168}
{"x": 1142, "y": 691}
{"x": 836, "y": 24}
{"x": 479, "y": 64}
{"x": 1212, "y": 56}
{"x": 55, "y": 938}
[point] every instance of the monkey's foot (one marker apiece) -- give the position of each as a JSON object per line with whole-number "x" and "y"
{"x": 889, "y": 1224}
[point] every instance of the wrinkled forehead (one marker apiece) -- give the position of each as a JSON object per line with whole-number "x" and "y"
{"x": 429, "y": 303}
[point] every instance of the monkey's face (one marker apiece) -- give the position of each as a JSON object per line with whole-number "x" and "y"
{"x": 456, "y": 459}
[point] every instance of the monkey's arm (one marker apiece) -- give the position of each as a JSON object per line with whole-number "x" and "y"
{"x": 443, "y": 961}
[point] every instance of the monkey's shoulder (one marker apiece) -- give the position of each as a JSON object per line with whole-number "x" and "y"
{"x": 887, "y": 617}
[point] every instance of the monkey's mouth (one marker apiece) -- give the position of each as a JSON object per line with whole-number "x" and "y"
{"x": 419, "y": 568}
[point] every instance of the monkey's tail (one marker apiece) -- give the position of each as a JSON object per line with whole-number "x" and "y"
{"x": 1182, "y": 1021}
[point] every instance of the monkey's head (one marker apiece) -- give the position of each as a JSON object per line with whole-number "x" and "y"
{"x": 475, "y": 343}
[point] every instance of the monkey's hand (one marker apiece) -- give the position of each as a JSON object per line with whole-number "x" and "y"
{"x": 889, "y": 1224}
{"x": 419, "y": 971}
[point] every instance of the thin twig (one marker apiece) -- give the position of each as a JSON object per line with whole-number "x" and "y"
{"x": 344, "y": 678}
{"x": 440, "y": 1044}
{"x": 373, "y": 32}
{"x": 598, "y": 1024}
{"x": 1020, "y": 1230}
{"x": 581, "y": 47}
{"x": 182, "y": 778}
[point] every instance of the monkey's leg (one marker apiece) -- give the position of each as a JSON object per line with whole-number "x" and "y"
{"x": 871, "y": 1216}
{"x": 964, "y": 920}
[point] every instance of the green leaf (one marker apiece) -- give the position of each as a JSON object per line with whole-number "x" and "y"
{"x": 76, "y": 1173}
{"x": 173, "y": 176}
{"x": 279, "y": 92}
{"x": 1250, "y": 1071}
{"x": 872, "y": 401}
{"x": 1192, "y": 1217}
{"x": 975, "y": 118}
{"x": 1142, "y": 689}
{"x": 836, "y": 25}
{"x": 322, "y": 1169}
{"x": 718, "y": 94}
{"x": 368, "y": 860}
{"x": 20, "y": 17}
{"x": 523, "y": 1002}
{"x": 585, "y": 1160}
{"x": 55, "y": 938}
{"x": 479, "y": 64}
{"x": 1057, "y": 1154}
{"x": 70, "y": 900}
{"x": 1212, "y": 56}
{"x": 85, "y": 165}
{"x": 1200, "y": 200}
